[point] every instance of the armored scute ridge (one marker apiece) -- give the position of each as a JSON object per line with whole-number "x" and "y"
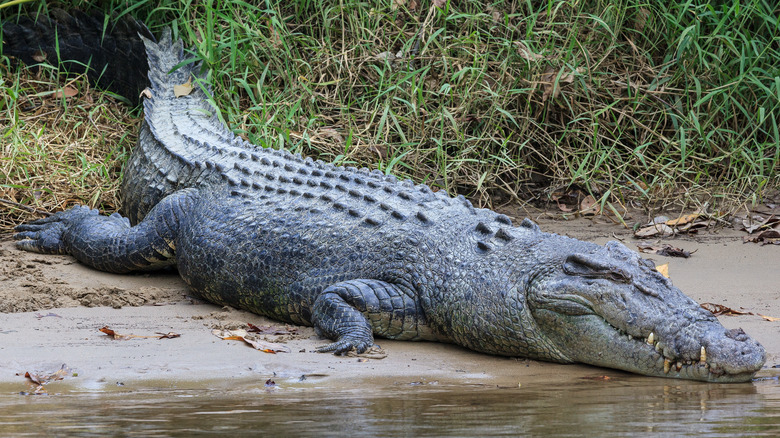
{"x": 358, "y": 254}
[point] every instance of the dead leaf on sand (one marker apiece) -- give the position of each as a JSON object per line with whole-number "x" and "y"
{"x": 253, "y": 340}
{"x": 663, "y": 249}
{"x": 757, "y": 222}
{"x": 662, "y": 226}
{"x": 720, "y": 309}
{"x": 766, "y": 237}
{"x": 682, "y": 220}
{"x": 42, "y": 378}
{"x": 663, "y": 269}
{"x": 115, "y": 335}
{"x": 654, "y": 230}
{"x": 767, "y": 230}
{"x": 589, "y": 206}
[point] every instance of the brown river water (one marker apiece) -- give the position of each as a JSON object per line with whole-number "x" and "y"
{"x": 623, "y": 406}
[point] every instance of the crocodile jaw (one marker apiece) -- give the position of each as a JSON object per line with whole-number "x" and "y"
{"x": 724, "y": 355}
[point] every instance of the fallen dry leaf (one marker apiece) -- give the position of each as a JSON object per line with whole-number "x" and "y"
{"x": 719, "y": 309}
{"x": 41, "y": 378}
{"x": 329, "y": 133}
{"x": 654, "y": 230}
{"x": 663, "y": 269}
{"x": 682, "y": 220}
{"x": 694, "y": 227}
{"x": 440, "y": 3}
{"x": 39, "y": 56}
{"x": 254, "y": 341}
{"x": 766, "y": 237}
{"x": 118, "y": 336}
{"x": 67, "y": 91}
{"x": 495, "y": 13}
{"x": 663, "y": 249}
{"x": 548, "y": 86}
{"x": 589, "y": 206}
{"x": 184, "y": 89}
{"x": 526, "y": 53}
{"x": 565, "y": 208}
{"x": 662, "y": 226}
{"x": 769, "y": 318}
{"x": 756, "y": 222}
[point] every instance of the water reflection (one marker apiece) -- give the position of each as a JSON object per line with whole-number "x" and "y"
{"x": 615, "y": 407}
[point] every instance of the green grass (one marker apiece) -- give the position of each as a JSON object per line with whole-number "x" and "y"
{"x": 631, "y": 101}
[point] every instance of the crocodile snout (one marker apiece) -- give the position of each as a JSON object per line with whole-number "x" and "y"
{"x": 734, "y": 352}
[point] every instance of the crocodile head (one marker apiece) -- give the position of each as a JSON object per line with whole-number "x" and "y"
{"x": 606, "y": 306}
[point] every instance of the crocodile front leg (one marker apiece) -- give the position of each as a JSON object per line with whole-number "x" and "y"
{"x": 351, "y": 312}
{"x": 109, "y": 243}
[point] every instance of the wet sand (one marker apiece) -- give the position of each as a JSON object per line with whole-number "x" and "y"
{"x": 53, "y": 309}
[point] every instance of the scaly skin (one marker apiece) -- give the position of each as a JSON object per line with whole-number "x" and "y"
{"x": 358, "y": 254}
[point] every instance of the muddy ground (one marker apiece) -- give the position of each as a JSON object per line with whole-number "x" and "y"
{"x": 53, "y": 310}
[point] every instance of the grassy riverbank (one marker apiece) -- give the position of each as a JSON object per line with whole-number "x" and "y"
{"x": 631, "y": 101}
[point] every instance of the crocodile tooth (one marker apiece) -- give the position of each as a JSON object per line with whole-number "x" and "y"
{"x": 650, "y": 338}
{"x": 658, "y": 347}
{"x": 667, "y": 366}
{"x": 630, "y": 338}
{"x": 703, "y": 355}
{"x": 679, "y": 365}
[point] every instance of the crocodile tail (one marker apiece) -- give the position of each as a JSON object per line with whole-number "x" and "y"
{"x": 169, "y": 67}
{"x": 109, "y": 51}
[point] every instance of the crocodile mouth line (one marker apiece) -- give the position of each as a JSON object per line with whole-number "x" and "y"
{"x": 653, "y": 345}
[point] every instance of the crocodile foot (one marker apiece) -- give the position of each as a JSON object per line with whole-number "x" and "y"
{"x": 46, "y": 235}
{"x": 343, "y": 346}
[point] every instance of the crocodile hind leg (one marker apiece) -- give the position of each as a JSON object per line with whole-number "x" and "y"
{"x": 109, "y": 243}
{"x": 352, "y": 311}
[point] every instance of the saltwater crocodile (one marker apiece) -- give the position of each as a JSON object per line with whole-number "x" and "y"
{"x": 358, "y": 254}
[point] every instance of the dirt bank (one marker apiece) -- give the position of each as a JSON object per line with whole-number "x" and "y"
{"x": 53, "y": 310}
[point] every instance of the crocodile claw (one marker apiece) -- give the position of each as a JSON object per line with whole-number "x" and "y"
{"x": 46, "y": 235}
{"x": 343, "y": 346}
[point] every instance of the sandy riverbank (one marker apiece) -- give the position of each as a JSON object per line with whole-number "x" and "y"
{"x": 53, "y": 310}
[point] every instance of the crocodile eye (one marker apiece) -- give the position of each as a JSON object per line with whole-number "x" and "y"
{"x": 588, "y": 266}
{"x": 618, "y": 277}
